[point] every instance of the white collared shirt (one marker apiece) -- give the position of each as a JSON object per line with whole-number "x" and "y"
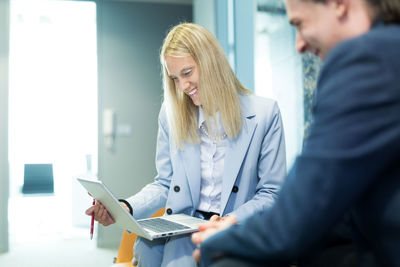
{"x": 212, "y": 157}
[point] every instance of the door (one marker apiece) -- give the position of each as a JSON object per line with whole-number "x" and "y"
{"x": 130, "y": 35}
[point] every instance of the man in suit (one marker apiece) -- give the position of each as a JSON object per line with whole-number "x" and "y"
{"x": 350, "y": 164}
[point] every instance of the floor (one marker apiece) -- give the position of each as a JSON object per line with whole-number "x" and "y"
{"x": 62, "y": 253}
{"x": 40, "y": 235}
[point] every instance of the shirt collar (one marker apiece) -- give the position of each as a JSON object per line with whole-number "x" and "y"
{"x": 201, "y": 117}
{"x": 202, "y": 120}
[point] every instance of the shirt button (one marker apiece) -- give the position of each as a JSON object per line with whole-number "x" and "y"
{"x": 235, "y": 189}
{"x": 169, "y": 211}
{"x": 177, "y": 188}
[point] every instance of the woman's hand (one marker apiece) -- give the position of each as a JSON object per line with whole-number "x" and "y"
{"x": 100, "y": 214}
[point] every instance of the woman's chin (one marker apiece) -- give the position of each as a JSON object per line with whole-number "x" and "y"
{"x": 196, "y": 101}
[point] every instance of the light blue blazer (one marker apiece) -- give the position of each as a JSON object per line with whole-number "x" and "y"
{"x": 255, "y": 167}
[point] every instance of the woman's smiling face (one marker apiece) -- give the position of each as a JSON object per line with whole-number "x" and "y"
{"x": 185, "y": 74}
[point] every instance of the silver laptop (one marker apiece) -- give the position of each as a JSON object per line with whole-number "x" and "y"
{"x": 150, "y": 228}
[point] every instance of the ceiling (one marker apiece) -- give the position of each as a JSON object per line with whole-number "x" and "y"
{"x": 186, "y": 2}
{"x": 268, "y": 4}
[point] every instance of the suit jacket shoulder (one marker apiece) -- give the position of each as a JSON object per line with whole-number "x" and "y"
{"x": 263, "y": 108}
{"x": 358, "y": 81}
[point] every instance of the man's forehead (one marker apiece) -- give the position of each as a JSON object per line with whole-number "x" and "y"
{"x": 292, "y": 7}
{"x": 296, "y": 9}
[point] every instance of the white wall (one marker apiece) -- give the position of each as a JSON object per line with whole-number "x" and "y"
{"x": 4, "y": 26}
{"x": 184, "y": 2}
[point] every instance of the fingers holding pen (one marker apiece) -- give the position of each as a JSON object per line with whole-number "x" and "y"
{"x": 100, "y": 214}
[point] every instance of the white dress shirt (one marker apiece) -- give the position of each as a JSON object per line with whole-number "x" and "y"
{"x": 212, "y": 157}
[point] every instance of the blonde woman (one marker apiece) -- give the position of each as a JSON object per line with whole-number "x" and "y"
{"x": 220, "y": 149}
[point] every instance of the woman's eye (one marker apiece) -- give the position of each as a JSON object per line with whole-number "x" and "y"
{"x": 187, "y": 73}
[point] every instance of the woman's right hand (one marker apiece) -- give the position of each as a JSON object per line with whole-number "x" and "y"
{"x": 100, "y": 214}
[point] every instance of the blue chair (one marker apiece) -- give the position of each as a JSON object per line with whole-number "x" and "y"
{"x": 38, "y": 179}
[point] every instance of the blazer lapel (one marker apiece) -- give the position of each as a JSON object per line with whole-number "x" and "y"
{"x": 190, "y": 157}
{"x": 236, "y": 151}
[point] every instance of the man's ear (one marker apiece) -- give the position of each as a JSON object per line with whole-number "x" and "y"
{"x": 341, "y": 7}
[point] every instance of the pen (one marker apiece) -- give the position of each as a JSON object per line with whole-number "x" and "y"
{"x": 92, "y": 222}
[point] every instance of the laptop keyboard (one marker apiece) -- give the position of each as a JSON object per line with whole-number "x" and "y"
{"x": 160, "y": 225}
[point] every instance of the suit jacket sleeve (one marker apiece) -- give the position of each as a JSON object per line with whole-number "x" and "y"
{"x": 348, "y": 146}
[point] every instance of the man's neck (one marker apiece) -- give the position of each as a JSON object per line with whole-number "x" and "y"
{"x": 359, "y": 20}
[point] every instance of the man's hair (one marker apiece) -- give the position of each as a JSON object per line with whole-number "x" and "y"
{"x": 387, "y": 10}
{"x": 218, "y": 86}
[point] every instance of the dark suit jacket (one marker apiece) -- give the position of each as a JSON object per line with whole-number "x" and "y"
{"x": 350, "y": 163}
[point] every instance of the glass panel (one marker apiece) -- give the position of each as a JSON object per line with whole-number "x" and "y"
{"x": 278, "y": 70}
{"x": 53, "y": 107}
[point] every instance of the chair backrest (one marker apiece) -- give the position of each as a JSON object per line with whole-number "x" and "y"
{"x": 38, "y": 178}
{"x": 125, "y": 251}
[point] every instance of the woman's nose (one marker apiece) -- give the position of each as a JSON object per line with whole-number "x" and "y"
{"x": 183, "y": 85}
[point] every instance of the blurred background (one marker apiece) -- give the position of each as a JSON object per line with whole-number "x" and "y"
{"x": 80, "y": 92}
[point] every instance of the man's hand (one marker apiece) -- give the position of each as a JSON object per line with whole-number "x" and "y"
{"x": 215, "y": 225}
{"x": 100, "y": 214}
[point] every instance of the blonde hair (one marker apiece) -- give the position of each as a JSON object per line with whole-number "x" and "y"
{"x": 219, "y": 88}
